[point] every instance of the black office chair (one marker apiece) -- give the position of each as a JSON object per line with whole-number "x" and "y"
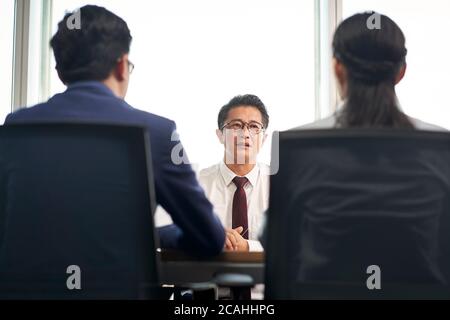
{"x": 344, "y": 200}
{"x": 76, "y": 195}
{"x": 240, "y": 285}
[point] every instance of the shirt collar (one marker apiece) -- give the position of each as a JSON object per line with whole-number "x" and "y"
{"x": 229, "y": 175}
{"x": 94, "y": 86}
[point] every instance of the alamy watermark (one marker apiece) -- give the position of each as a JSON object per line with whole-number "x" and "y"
{"x": 73, "y": 282}
{"x": 374, "y": 280}
{"x": 374, "y": 22}
{"x": 74, "y": 21}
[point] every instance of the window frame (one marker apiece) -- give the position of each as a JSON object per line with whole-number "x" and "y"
{"x": 328, "y": 17}
{"x": 21, "y": 63}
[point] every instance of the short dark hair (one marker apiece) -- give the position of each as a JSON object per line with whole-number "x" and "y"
{"x": 92, "y": 51}
{"x": 243, "y": 100}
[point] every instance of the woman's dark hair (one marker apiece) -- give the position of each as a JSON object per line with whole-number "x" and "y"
{"x": 92, "y": 51}
{"x": 373, "y": 58}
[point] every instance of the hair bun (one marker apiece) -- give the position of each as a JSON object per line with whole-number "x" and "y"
{"x": 369, "y": 71}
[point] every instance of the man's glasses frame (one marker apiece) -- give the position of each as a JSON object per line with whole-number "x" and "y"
{"x": 130, "y": 67}
{"x": 237, "y": 125}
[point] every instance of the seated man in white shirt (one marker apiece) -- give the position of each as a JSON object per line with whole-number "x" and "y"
{"x": 238, "y": 186}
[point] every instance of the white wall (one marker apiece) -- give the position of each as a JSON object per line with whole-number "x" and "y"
{"x": 193, "y": 56}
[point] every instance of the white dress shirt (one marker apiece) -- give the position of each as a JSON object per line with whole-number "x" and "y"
{"x": 217, "y": 181}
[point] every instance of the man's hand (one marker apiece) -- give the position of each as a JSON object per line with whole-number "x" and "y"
{"x": 234, "y": 241}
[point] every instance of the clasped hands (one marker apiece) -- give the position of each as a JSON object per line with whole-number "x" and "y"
{"x": 234, "y": 240}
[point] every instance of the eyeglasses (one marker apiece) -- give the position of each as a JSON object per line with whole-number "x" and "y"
{"x": 130, "y": 67}
{"x": 253, "y": 127}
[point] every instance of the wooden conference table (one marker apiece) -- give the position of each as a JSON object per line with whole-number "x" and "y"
{"x": 179, "y": 268}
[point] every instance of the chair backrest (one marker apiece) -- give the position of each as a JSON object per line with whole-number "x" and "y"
{"x": 76, "y": 208}
{"x": 345, "y": 200}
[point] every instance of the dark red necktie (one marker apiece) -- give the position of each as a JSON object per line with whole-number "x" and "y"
{"x": 240, "y": 218}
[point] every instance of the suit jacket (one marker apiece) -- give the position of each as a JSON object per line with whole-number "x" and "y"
{"x": 196, "y": 228}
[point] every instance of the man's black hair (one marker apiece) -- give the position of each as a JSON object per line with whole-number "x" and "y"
{"x": 243, "y": 100}
{"x": 92, "y": 51}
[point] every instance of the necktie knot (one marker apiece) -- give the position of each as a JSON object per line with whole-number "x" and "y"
{"x": 240, "y": 182}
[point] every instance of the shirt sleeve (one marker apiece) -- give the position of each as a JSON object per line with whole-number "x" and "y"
{"x": 255, "y": 246}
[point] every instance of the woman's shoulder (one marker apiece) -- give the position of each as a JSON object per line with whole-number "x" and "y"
{"x": 422, "y": 125}
{"x": 330, "y": 122}
{"x": 325, "y": 123}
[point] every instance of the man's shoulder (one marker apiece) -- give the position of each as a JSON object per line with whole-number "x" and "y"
{"x": 265, "y": 174}
{"x": 120, "y": 112}
{"x": 153, "y": 118}
{"x": 23, "y": 113}
{"x": 264, "y": 169}
{"x": 209, "y": 172}
{"x": 208, "y": 177}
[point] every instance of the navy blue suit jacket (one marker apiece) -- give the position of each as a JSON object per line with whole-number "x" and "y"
{"x": 196, "y": 228}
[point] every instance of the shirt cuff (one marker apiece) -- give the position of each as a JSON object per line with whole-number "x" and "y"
{"x": 255, "y": 246}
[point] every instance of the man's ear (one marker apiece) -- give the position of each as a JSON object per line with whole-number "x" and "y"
{"x": 121, "y": 69}
{"x": 219, "y": 134}
{"x": 400, "y": 74}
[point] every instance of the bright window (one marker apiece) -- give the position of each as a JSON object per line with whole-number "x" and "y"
{"x": 6, "y": 56}
{"x": 423, "y": 93}
{"x": 192, "y": 57}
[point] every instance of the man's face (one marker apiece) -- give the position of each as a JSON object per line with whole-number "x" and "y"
{"x": 243, "y": 135}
